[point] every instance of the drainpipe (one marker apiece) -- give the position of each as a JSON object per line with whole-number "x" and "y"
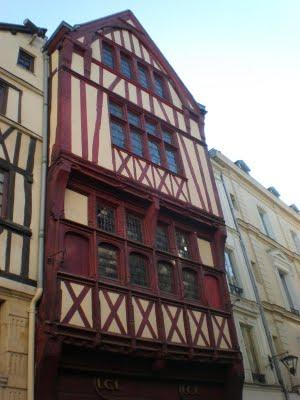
{"x": 40, "y": 268}
{"x": 256, "y": 294}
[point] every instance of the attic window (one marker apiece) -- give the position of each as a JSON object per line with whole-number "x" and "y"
{"x": 25, "y": 60}
{"x": 274, "y": 191}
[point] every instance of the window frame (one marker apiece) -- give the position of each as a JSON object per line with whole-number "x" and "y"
{"x": 4, "y": 97}
{"x": 265, "y": 223}
{"x": 105, "y": 43}
{"x": 146, "y": 137}
{"x": 32, "y": 60}
{"x": 234, "y": 284}
{"x": 199, "y": 290}
{"x": 149, "y": 278}
{"x": 174, "y": 280}
{"x": 118, "y": 269}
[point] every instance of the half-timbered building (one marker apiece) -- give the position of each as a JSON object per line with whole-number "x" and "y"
{"x": 21, "y": 110}
{"x": 135, "y": 302}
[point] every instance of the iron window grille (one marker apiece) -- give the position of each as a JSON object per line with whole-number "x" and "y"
{"x": 105, "y": 218}
{"x": 138, "y": 269}
{"x": 108, "y": 261}
{"x": 26, "y": 60}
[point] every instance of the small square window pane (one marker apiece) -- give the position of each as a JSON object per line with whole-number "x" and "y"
{"x": 134, "y": 228}
{"x": 154, "y": 152}
{"x": 136, "y": 143}
{"x": 167, "y": 137}
{"x": 116, "y": 110}
{"x": 134, "y": 119}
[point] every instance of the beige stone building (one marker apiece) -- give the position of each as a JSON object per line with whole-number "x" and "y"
{"x": 263, "y": 270}
{"x": 21, "y": 127}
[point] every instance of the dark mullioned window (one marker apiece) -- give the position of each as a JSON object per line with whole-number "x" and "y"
{"x": 183, "y": 245}
{"x": 26, "y": 60}
{"x": 138, "y": 269}
{"x": 3, "y": 97}
{"x": 189, "y": 278}
{"x": 134, "y": 228}
{"x": 164, "y": 275}
{"x": 105, "y": 218}
{"x": 162, "y": 242}
{"x": 107, "y": 261}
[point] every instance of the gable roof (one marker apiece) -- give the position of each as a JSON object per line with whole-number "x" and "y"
{"x": 123, "y": 20}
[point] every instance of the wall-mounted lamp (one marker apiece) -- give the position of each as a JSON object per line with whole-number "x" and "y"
{"x": 288, "y": 360}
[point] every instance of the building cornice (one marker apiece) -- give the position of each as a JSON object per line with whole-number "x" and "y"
{"x": 280, "y": 311}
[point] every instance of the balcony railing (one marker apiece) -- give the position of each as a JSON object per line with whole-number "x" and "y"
{"x": 236, "y": 290}
{"x": 258, "y": 378}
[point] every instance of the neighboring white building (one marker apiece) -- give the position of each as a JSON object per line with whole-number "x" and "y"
{"x": 262, "y": 260}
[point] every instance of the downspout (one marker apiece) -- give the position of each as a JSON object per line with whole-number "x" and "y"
{"x": 256, "y": 294}
{"x": 40, "y": 268}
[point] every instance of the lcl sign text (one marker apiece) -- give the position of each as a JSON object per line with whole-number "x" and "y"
{"x": 107, "y": 384}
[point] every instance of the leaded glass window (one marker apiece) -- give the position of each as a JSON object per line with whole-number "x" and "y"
{"x": 183, "y": 244}
{"x": 143, "y": 76}
{"x": 189, "y": 279}
{"x": 108, "y": 55}
{"x": 138, "y": 269}
{"x": 126, "y": 66}
{"x": 165, "y": 276}
{"x": 136, "y": 143}
{"x": 118, "y": 134}
{"x": 154, "y": 152}
{"x": 171, "y": 160}
{"x": 134, "y": 227}
{"x": 108, "y": 261}
{"x": 105, "y": 218}
{"x": 162, "y": 242}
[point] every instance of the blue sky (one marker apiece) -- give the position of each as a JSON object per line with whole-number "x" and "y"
{"x": 239, "y": 58}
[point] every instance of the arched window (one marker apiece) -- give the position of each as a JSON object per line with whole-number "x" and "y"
{"x": 165, "y": 276}
{"x": 108, "y": 261}
{"x": 138, "y": 269}
{"x": 190, "y": 287}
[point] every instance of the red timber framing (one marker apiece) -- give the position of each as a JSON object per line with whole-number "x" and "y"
{"x": 132, "y": 307}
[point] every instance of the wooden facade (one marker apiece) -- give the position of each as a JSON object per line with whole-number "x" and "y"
{"x": 135, "y": 302}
